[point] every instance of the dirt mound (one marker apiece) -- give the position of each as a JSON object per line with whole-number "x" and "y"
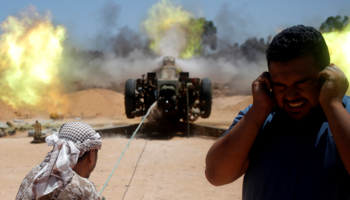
{"x": 231, "y": 103}
{"x": 89, "y": 103}
{"x": 96, "y": 103}
{"x": 225, "y": 109}
{"x": 241, "y": 105}
{"x": 9, "y": 112}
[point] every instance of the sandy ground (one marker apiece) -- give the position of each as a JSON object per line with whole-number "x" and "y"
{"x": 150, "y": 169}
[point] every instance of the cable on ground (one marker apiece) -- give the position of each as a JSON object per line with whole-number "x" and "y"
{"x": 133, "y": 135}
{"x": 132, "y": 176}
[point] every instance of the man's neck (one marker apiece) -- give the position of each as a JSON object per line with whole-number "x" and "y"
{"x": 81, "y": 170}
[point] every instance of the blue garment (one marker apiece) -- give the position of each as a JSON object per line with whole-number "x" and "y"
{"x": 293, "y": 160}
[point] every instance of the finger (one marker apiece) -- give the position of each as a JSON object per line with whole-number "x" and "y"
{"x": 265, "y": 80}
{"x": 335, "y": 71}
{"x": 264, "y": 74}
{"x": 333, "y": 66}
{"x": 322, "y": 77}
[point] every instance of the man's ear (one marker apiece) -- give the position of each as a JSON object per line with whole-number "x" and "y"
{"x": 91, "y": 156}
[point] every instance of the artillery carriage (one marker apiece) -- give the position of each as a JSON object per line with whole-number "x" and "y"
{"x": 177, "y": 95}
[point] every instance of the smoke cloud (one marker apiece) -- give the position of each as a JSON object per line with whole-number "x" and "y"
{"x": 236, "y": 74}
{"x": 232, "y": 24}
{"x": 106, "y": 70}
{"x": 172, "y": 42}
{"x": 122, "y": 53}
{"x": 108, "y": 18}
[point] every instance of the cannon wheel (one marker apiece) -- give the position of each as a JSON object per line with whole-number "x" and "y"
{"x": 206, "y": 97}
{"x": 129, "y": 98}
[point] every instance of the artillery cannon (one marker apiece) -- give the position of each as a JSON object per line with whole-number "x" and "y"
{"x": 178, "y": 96}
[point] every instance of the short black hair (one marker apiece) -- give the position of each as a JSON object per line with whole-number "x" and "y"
{"x": 299, "y": 41}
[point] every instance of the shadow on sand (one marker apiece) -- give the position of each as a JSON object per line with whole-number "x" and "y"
{"x": 162, "y": 130}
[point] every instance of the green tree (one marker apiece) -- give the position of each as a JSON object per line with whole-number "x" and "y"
{"x": 334, "y": 24}
{"x": 207, "y": 40}
{"x": 209, "y": 35}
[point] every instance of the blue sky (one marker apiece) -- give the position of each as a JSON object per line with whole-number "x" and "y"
{"x": 235, "y": 19}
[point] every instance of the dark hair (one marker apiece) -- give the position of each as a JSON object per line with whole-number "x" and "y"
{"x": 298, "y": 41}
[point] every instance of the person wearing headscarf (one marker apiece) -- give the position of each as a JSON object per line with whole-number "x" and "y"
{"x": 64, "y": 172}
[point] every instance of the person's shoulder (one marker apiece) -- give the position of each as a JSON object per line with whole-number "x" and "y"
{"x": 241, "y": 113}
{"x": 346, "y": 102}
{"x": 247, "y": 108}
{"x": 346, "y": 98}
{"x": 25, "y": 187}
{"x": 79, "y": 188}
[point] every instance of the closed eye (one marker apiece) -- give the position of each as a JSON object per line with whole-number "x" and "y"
{"x": 278, "y": 86}
{"x": 300, "y": 84}
{"x": 304, "y": 83}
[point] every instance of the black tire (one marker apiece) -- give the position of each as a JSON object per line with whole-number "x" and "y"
{"x": 206, "y": 97}
{"x": 129, "y": 98}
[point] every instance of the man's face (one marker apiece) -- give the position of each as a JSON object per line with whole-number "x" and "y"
{"x": 294, "y": 85}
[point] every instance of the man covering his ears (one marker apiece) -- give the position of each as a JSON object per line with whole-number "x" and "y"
{"x": 293, "y": 142}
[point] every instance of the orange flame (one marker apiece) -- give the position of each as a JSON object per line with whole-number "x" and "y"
{"x": 30, "y": 53}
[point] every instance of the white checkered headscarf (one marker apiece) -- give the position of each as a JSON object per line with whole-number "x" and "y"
{"x": 72, "y": 141}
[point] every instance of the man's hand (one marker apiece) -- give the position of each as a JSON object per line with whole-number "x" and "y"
{"x": 227, "y": 159}
{"x": 262, "y": 96}
{"x": 331, "y": 95}
{"x": 334, "y": 87}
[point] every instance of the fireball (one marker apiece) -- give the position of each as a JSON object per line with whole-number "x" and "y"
{"x": 172, "y": 30}
{"x": 339, "y": 48}
{"x": 30, "y": 53}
